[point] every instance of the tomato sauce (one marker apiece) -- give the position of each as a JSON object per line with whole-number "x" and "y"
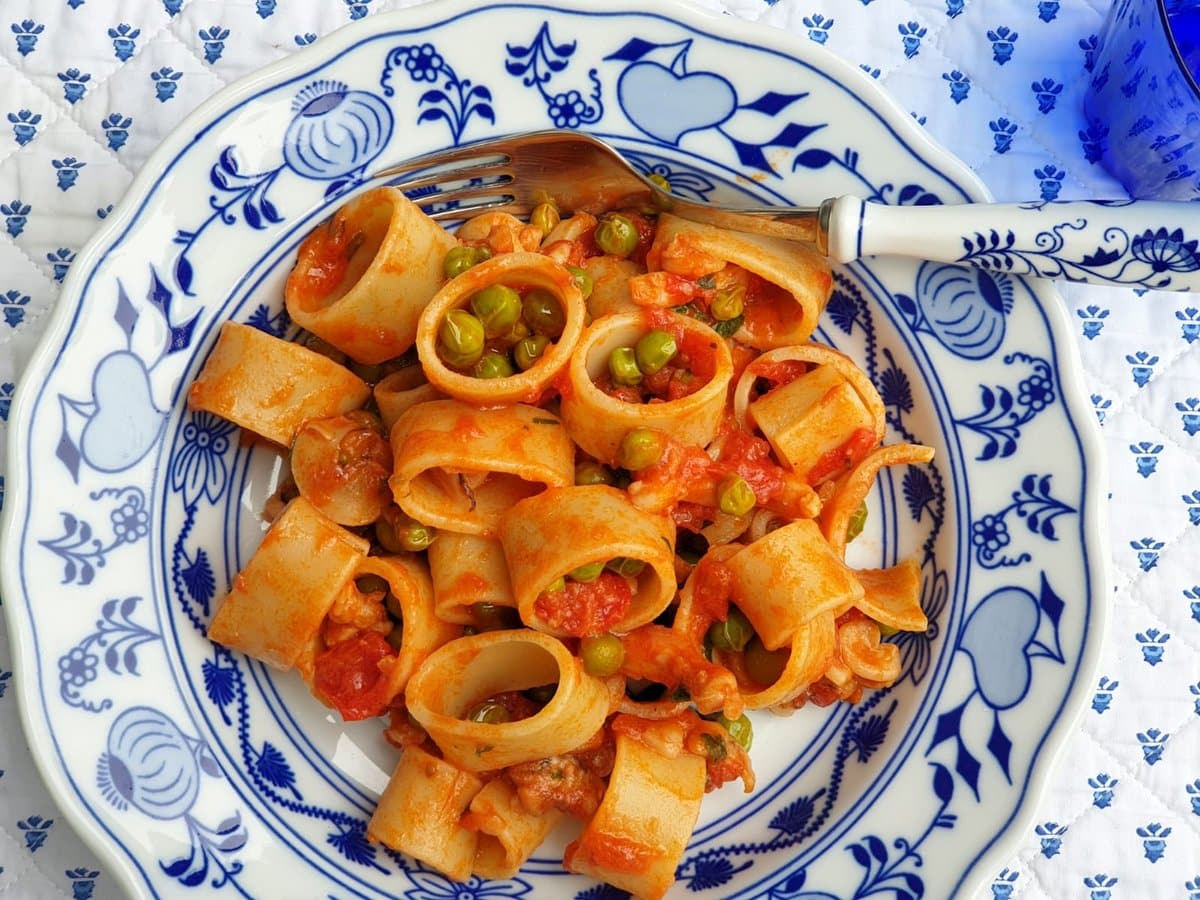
{"x": 322, "y": 261}
{"x": 842, "y": 459}
{"x": 349, "y": 677}
{"x": 586, "y": 608}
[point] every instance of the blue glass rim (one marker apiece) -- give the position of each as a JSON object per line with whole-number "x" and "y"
{"x": 1165, "y": 19}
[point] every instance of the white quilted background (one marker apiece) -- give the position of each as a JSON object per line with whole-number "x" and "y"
{"x": 1132, "y": 772}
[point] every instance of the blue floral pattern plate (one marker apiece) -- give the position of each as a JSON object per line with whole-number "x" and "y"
{"x": 193, "y": 768}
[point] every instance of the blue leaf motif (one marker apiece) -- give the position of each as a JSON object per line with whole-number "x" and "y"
{"x": 631, "y": 51}
{"x": 772, "y": 102}
{"x": 814, "y": 158}
{"x": 1000, "y": 747}
{"x": 274, "y": 767}
{"x": 199, "y": 579}
{"x": 943, "y": 783}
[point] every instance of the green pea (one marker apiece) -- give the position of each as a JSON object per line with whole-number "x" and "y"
{"x": 626, "y": 566}
{"x": 492, "y": 617}
{"x": 740, "y": 729}
{"x": 602, "y": 655}
{"x": 886, "y": 630}
{"x": 489, "y": 712}
{"x": 591, "y": 472}
{"x": 763, "y": 665}
{"x": 654, "y": 350}
{"x": 498, "y": 307}
{"x": 616, "y": 235}
{"x": 494, "y": 365}
{"x": 543, "y": 693}
{"x": 543, "y": 313}
{"x": 415, "y": 537}
{"x": 459, "y": 259}
{"x": 395, "y": 637}
{"x": 528, "y": 351}
{"x": 460, "y": 339}
{"x": 317, "y": 345}
{"x": 545, "y": 216}
{"x": 732, "y": 634}
{"x": 859, "y": 519}
{"x": 583, "y": 280}
{"x": 587, "y": 573}
{"x": 386, "y": 535}
{"x": 558, "y": 584}
{"x": 395, "y": 610}
{"x": 623, "y": 367}
{"x": 729, "y": 303}
{"x": 660, "y": 182}
{"x": 735, "y": 497}
{"x": 371, "y": 584}
{"x": 714, "y": 747}
{"x": 641, "y": 448}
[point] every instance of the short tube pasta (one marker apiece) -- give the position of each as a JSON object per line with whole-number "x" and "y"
{"x": 508, "y": 833}
{"x": 468, "y": 570}
{"x": 479, "y": 666}
{"x": 787, "y": 577}
{"x": 420, "y": 813}
{"x": 362, "y": 279}
{"x": 516, "y": 270}
{"x": 630, "y": 842}
{"x": 276, "y": 604}
{"x": 597, "y": 421}
{"x": 547, "y": 537}
{"x": 796, "y": 281}
{"x": 459, "y": 467}
{"x": 271, "y": 386}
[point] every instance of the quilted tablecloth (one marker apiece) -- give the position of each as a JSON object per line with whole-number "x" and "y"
{"x": 89, "y": 87}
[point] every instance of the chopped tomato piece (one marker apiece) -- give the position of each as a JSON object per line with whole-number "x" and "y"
{"x": 585, "y": 608}
{"x": 842, "y": 459}
{"x": 348, "y": 676}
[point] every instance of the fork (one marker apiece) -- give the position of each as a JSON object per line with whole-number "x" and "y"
{"x": 1134, "y": 243}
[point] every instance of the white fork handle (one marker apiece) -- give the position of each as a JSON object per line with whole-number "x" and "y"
{"x": 1135, "y": 243}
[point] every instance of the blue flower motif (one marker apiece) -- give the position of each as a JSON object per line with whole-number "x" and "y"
{"x": 960, "y": 85}
{"x": 16, "y": 215}
{"x": 214, "y": 42}
{"x": 1165, "y": 251}
{"x": 1046, "y": 91}
{"x": 13, "y": 302}
{"x": 124, "y": 40}
{"x": 74, "y": 84}
{"x": 1002, "y": 133}
{"x": 1003, "y": 42}
{"x": 130, "y": 520}
{"x": 568, "y": 109}
{"x": 24, "y": 123}
{"x": 116, "y": 129}
{"x": 1035, "y": 392}
{"x": 424, "y": 63}
{"x": 77, "y": 667}
{"x": 818, "y": 27}
{"x": 27, "y": 32}
{"x": 990, "y": 534}
{"x": 199, "y": 469}
{"x": 911, "y": 34}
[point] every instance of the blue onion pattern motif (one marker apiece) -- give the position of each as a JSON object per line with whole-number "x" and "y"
{"x": 336, "y": 131}
{"x": 149, "y": 765}
{"x": 964, "y": 309}
{"x": 199, "y": 470}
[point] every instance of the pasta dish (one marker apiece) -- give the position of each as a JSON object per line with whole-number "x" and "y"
{"x": 568, "y": 504}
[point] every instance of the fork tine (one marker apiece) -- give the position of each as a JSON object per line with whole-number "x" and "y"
{"x": 425, "y": 179}
{"x": 496, "y": 204}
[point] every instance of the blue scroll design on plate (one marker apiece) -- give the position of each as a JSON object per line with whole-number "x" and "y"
{"x": 449, "y": 99}
{"x": 542, "y": 60}
{"x": 335, "y": 132}
{"x": 114, "y": 641}
{"x": 79, "y": 548}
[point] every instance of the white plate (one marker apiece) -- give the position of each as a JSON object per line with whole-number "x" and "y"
{"x": 127, "y": 516}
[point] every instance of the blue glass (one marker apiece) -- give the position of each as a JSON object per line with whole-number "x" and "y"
{"x": 1143, "y": 103}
